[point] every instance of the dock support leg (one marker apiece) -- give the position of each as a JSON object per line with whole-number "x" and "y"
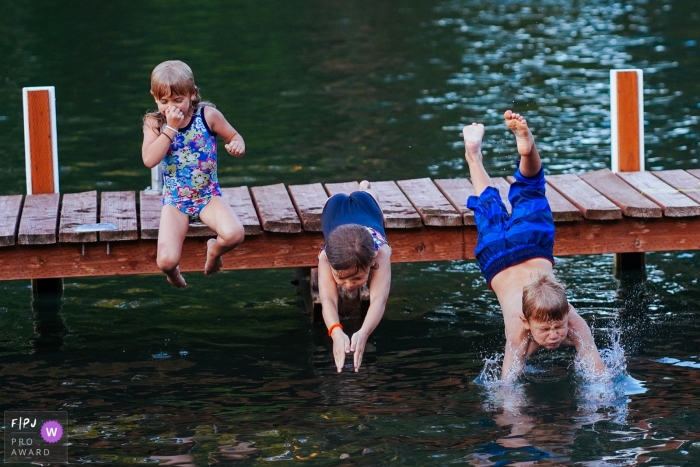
{"x": 628, "y": 262}
{"x": 350, "y": 304}
{"x": 49, "y": 327}
{"x": 47, "y": 286}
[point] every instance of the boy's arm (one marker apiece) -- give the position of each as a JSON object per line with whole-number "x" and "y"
{"x": 219, "y": 125}
{"x": 584, "y": 343}
{"x": 515, "y": 353}
{"x": 328, "y": 294}
{"x": 378, "y": 295}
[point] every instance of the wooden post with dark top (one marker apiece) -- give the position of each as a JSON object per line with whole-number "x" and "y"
{"x": 627, "y": 124}
{"x": 41, "y": 157}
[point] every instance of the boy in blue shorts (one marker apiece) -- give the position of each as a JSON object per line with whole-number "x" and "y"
{"x": 515, "y": 254}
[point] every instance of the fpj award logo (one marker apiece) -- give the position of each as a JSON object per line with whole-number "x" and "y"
{"x": 35, "y": 436}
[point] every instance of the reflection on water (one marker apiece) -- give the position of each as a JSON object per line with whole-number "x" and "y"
{"x": 230, "y": 371}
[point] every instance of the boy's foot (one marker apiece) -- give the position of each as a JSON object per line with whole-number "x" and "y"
{"x": 473, "y": 136}
{"x": 523, "y": 136}
{"x": 213, "y": 265}
{"x": 176, "y": 279}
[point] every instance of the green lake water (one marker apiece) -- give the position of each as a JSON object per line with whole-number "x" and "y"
{"x": 229, "y": 371}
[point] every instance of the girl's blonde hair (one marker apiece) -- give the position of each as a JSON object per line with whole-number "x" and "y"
{"x": 173, "y": 78}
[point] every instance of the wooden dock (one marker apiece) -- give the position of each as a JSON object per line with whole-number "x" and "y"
{"x": 49, "y": 235}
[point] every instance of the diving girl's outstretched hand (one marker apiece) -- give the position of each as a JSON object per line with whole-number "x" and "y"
{"x": 341, "y": 347}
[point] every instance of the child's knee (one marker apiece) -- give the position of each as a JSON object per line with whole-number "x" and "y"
{"x": 167, "y": 261}
{"x": 232, "y": 236}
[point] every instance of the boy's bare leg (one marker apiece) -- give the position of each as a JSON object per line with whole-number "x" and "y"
{"x": 530, "y": 163}
{"x": 473, "y": 135}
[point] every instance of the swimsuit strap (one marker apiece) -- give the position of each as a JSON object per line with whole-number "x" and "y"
{"x": 377, "y": 238}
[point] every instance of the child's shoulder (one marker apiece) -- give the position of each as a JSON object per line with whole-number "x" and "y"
{"x": 150, "y": 121}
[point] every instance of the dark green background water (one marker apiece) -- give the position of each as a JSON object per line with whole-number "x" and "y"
{"x": 229, "y": 370}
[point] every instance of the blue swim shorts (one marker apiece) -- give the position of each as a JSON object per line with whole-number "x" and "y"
{"x": 506, "y": 240}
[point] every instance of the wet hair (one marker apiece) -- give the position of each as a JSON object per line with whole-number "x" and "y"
{"x": 173, "y": 78}
{"x": 544, "y": 299}
{"x": 350, "y": 247}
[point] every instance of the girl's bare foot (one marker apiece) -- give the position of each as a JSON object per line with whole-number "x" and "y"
{"x": 213, "y": 264}
{"x": 367, "y": 188}
{"x": 523, "y": 136}
{"x": 176, "y": 279}
{"x": 473, "y": 135}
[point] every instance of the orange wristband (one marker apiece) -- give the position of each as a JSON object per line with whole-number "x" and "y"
{"x": 336, "y": 325}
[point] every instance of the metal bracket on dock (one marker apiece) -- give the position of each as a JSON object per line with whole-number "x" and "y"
{"x": 156, "y": 187}
{"x": 98, "y": 227}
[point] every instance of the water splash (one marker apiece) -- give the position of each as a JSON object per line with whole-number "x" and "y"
{"x": 605, "y": 397}
{"x": 491, "y": 372}
{"x": 599, "y": 396}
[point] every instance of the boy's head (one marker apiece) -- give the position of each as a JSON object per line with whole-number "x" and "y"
{"x": 350, "y": 252}
{"x": 546, "y": 311}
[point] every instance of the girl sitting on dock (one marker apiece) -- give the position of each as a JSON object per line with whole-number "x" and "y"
{"x": 181, "y": 136}
{"x": 356, "y": 252}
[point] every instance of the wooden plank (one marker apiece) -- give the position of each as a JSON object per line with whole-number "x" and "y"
{"x": 10, "y": 207}
{"x": 199, "y": 229}
{"x": 694, "y": 172}
{"x": 398, "y": 211}
{"x": 239, "y": 199}
{"x": 456, "y": 191}
{"x": 673, "y": 203}
{"x": 39, "y": 218}
{"x": 119, "y": 208}
{"x": 592, "y": 204}
{"x": 273, "y": 250}
{"x": 432, "y": 206}
{"x": 503, "y": 187}
{"x": 562, "y": 209}
{"x": 149, "y": 208}
{"x": 308, "y": 201}
{"x": 267, "y": 250}
{"x": 681, "y": 181}
{"x": 629, "y": 200}
{"x": 77, "y": 209}
{"x": 275, "y": 209}
{"x": 242, "y": 204}
{"x": 344, "y": 187}
{"x": 627, "y": 235}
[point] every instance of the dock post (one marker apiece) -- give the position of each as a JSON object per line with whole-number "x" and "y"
{"x": 41, "y": 156}
{"x": 351, "y": 305}
{"x": 627, "y": 125}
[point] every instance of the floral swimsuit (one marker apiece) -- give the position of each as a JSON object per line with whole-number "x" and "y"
{"x": 189, "y": 168}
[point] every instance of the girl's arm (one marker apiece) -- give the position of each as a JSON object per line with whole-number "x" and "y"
{"x": 328, "y": 294}
{"x": 156, "y": 143}
{"x": 378, "y": 295}
{"x": 219, "y": 125}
